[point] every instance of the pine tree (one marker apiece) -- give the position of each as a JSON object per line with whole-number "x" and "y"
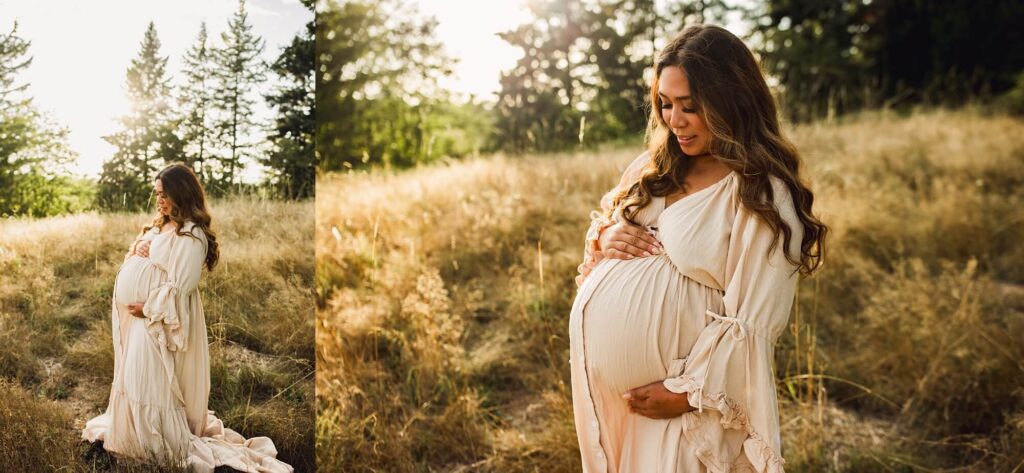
{"x": 194, "y": 99}
{"x": 239, "y": 72}
{"x": 13, "y": 51}
{"x": 147, "y": 136}
{"x": 15, "y": 124}
{"x": 291, "y": 162}
{"x": 33, "y": 150}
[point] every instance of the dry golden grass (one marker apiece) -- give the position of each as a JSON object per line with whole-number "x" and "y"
{"x": 56, "y": 354}
{"x": 444, "y": 292}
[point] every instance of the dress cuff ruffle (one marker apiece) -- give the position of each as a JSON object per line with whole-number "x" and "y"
{"x": 598, "y": 222}
{"x": 723, "y": 348}
{"x": 165, "y": 322}
{"x": 591, "y": 253}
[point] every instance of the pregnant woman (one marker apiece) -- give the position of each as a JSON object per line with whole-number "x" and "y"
{"x": 158, "y": 400}
{"x": 689, "y": 275}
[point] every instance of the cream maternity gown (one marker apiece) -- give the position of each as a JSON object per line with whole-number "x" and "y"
{"x": 702, "y": 317}
{"x": 158, "y": 400}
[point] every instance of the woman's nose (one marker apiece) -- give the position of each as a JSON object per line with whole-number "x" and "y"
{"x": 677, "y": 119}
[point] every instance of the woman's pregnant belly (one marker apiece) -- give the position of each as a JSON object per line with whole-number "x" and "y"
{"x": 642, "y": 315}
{"x": 136, "y": 278}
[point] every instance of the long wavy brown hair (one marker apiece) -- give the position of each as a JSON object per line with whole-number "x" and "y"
{"x": 733, "y": 99}
{"x": 188, "y": 202}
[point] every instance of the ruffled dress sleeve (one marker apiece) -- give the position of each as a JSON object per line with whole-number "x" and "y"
{"x": 591, "y": 251}
{"x": 728, "y": 373}
{"x": 167, "y": 305}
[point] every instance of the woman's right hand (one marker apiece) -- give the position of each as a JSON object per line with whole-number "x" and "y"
{"x": 142, "y": 249}
{"x": 624, "y": 240}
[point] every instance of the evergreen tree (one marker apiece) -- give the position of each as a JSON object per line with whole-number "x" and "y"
{"x": 195, "y": 99}
{"x": 34, "y": 152}
{"x": 377, "y": 91}
{"x": 291, "y": 162}
{"x": 13, "y": 59}
{"x": 147, "y": 136}
{"x": 239, "y": 72}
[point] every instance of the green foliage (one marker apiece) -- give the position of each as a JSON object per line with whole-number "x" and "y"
{"x": 13, "y": 51}
{"x": 238, "y": 71}
{"x": 540, "y": 106}
{"x": 1013, "y": 100}
{"x": 147, "y": 138}
{"x": 583, "y": 77}
{"x": 214, "y": 130}
{"x": 835, "y": 57}
{"x": 195, "y": 98}
{"x": 377, "y": 90}
{"x": 291, "y": 162}
{"x": 34, "y": 152}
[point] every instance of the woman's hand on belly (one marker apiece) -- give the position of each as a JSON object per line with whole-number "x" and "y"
{"x": 136, "y": 309}
{"x": 142, "y": 249}
{"x": 627, "y": 241}
{"x": 657, "y": 402}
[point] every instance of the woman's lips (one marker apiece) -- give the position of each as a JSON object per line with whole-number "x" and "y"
{"x": 686, "y": 140}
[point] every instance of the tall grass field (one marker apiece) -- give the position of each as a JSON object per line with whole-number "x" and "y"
{"x": 56, "y": 354}
{"x": 443, "y": 296}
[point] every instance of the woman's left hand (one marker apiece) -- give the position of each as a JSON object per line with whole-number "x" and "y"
{"x": 657, "y": 402}
{"x": 136, "y": 309}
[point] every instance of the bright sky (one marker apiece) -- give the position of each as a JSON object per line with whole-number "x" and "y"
{"x": 81, "y": 52}
{"x": 468, "y": 29}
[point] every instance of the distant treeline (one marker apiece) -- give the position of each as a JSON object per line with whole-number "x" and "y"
{"x": 584, "y": 75}
{"x": 207, "y": 122}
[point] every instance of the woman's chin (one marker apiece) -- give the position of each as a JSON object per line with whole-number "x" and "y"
{"x": 691, "y": 149}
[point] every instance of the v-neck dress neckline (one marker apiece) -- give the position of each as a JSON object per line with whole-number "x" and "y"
{"x": 693, "y": 195}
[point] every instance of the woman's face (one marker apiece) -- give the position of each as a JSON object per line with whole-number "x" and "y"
{"x": 163, "y": 204}
{"x": 680, "y": 112}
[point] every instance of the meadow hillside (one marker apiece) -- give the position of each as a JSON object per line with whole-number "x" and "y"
{"x": 444, "y": 292}
{"x": 56, "y": 354}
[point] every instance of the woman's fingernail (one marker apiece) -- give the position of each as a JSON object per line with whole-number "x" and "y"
{"x": 627, "y": 396}
{"x": 647, "y": 253}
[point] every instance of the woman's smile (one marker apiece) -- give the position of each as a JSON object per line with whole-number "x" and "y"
{"x": 686, "y": 140}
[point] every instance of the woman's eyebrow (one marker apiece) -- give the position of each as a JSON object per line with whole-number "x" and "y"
{"x": 681, "y": 97}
